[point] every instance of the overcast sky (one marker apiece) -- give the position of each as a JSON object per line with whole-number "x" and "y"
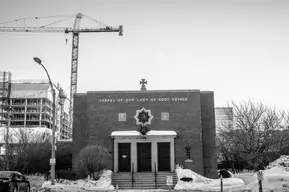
{"x": 237, "y": 48}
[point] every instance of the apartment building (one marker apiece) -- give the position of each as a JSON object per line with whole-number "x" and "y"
{"x": 5, "y": 87}
{"x": 30, "y": 106}
{"x": 223, "y": 118}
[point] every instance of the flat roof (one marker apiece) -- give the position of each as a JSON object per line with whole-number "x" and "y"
{"x": 148, "y": 91}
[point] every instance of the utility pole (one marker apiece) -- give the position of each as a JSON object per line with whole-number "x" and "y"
{"x": 7, "y": 154}
{"x": 53, "y": 160}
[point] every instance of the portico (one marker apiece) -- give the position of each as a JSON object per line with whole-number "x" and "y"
{"x": 134, "y": 152}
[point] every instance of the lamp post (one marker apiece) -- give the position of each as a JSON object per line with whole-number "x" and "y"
{"x": 52, "y": 160}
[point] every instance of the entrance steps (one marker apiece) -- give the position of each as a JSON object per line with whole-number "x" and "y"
{"x": 142, "y": 180}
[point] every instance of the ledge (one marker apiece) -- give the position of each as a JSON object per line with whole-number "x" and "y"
{"x": 136, "y": 133}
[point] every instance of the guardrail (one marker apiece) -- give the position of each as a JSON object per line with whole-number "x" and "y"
{"x": 156, "y": 185}
{"x": 132, "y": 176}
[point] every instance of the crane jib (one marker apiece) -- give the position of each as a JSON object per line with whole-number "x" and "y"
{"x": 60, "y": 29}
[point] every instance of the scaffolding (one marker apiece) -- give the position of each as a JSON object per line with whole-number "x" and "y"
{"x": 5, "y": 90}
{"x": 29, "y": 104}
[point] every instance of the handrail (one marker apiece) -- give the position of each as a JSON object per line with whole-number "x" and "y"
{"x": 132, "y": 176}
{"x": 156, "y": 176}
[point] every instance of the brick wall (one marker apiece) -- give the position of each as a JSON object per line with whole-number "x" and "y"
{"x": 209, "y": 131}
{"x": 79, "y": 134}
{"x": 99, "y": 119}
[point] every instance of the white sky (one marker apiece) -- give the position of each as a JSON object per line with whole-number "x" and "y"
{"x": 237, "y": 48}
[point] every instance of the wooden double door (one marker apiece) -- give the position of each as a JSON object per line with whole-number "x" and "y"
{"x": 124, "y": 157}
{"x": 164, "y": 157}
{"x": 144, "y": 157}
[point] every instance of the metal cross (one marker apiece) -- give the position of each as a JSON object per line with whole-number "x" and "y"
{"x": 143, "y": 82}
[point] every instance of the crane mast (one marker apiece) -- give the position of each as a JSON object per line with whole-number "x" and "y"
{"x": 74, "y": 64}
{"x": 76, "y": 30}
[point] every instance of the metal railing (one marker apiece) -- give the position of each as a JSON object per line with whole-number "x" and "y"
{"x": 156, "y": 186}
{"x": 132, "y": 176}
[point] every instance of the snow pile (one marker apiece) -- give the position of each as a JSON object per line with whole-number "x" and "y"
{"x": 283, "y": 161}
{"x": 61, "y": 187}
{"x": 103, "y": 183}
{"x": 205, "y": 184}
{"x": 275, "y": 178}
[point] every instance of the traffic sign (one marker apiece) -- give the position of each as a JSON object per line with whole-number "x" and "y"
{"x": 52, "y": 161}
{"x": 260, "y": 175}
{"x": 169, "y": 180}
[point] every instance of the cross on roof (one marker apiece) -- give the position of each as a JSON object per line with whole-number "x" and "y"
{"x": 143, "y": 82}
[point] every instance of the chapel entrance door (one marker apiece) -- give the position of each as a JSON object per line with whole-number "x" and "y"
{"x": 164, "y": 156}
{"x": 124, "y": 157}
{"x": 144, "y": 157}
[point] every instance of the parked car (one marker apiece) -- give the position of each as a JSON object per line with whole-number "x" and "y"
{"x": 13, "y": 181}
{"x": 225, "y": 173}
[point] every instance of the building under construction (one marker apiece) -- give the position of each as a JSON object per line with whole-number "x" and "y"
{"x": 29, "y": 104}
{"x": 5, "y": 89}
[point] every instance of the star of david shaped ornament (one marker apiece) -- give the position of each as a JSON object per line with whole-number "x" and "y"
{"x": 143, "y": 117}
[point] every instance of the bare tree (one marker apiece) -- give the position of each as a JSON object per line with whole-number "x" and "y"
{"x": 9, "y": 149}
{"x": 28, "y": 148}
{"x": 256, "y": 130}
{"x": 24, "y": 137}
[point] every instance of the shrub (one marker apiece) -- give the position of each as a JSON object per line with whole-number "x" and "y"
{"x": 92, "y": 159}
{"x": 63, "y": 156}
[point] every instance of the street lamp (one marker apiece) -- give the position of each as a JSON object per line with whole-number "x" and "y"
{"x": 52, "y": 160}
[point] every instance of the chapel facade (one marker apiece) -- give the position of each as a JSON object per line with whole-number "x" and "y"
{"x": 149, "y": 130}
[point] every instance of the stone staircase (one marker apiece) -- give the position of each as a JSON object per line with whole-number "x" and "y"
{"x": 142, "y": 180}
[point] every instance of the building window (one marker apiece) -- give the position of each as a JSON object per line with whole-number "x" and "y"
{"x": 122, "y": 117}
{"x": 188, "y": 152}
{"x": 165, "y": 116}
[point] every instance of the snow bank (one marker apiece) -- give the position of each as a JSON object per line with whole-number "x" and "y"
{"x": 283, "y": 161}
{"x": 275, "y": 178}
{"x": 103, "y": 183}
{"x": 205, "y": 184}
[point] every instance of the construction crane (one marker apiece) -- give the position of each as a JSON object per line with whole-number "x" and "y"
{"x": 75, "y": 30}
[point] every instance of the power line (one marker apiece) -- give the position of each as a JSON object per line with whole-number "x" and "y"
{"x": 55, "y": 22}
{"x": 25, "y": 18}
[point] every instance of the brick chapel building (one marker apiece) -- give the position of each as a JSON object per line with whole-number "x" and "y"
{"x": 149, "y": 130}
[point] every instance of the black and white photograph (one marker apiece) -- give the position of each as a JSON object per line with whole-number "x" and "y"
{"x": 145, "y": 96}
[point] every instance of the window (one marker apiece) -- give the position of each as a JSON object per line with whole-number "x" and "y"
{"x": 188, "y": 152}
{"x": 165, "y": 116}
{"x": 122, "y": 117}
{"x": 17, "y": 177}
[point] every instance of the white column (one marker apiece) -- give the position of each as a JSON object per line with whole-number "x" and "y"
{"x": 172, "y": 148}
{"x": 154, "y": 156}
{"x": 134, "y": 155}
{"x": 115, "y": 155}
